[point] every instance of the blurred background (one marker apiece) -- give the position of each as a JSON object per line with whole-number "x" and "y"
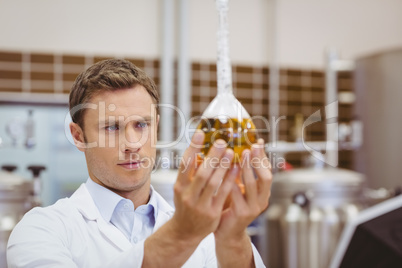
{"x": 286, "y": 57}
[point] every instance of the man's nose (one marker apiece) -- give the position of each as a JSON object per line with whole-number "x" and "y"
{"x": 132, "y": 140}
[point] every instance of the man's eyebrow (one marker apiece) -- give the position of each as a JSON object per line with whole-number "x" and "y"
{"x": 147, "y": 118}
{"x": 116, "y": 120}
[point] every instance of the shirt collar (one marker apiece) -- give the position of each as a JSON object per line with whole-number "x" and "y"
{"x": 153, "y": 201}
{"x": 106, "y": 200}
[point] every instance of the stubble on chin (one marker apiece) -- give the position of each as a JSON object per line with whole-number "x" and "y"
{"x": 105, "y": 175}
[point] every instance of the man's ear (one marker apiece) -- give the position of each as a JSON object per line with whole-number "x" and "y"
{"x": 78, "y": 136}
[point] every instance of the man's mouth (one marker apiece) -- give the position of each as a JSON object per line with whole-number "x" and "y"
{"x": 131, "y": 165}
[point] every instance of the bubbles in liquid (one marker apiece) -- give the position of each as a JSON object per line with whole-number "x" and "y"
{"x": 239, "y": 135}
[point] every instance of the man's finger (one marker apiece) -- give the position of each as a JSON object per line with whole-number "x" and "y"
{"x": 210, "y": 164}
{"x": 250, "y": 184}
{"x": 226, "y": 186}
{"x": 215, "y": 181}
{"x": 262, "y": 168}
{"x": 188, "y": 162}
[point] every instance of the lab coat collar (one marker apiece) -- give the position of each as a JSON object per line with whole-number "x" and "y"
{"x": 163, "y": 212}
{"x": 103, "y": 198}
{"x": 84, "y": 203}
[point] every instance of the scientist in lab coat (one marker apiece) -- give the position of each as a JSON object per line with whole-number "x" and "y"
{"x": 116, "y": 218}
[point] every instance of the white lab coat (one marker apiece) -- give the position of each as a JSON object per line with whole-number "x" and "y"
{"x": 72, "y": 233}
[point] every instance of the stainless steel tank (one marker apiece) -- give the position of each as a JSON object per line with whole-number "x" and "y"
{"x": 308, "y": 209}
{"x": 15, "y": 201}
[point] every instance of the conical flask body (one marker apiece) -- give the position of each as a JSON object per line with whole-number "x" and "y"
{"x": 225, "y": 118}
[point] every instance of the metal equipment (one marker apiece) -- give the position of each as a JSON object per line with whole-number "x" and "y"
{"x": 15, "y": 201}
{"x": 307, "y": 212}
{"x": 17, "y": 196}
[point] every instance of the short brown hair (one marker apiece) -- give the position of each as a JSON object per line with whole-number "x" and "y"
{"x": 107, "y": 75}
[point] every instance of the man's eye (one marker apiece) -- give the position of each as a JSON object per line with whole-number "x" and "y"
{"x": 111, "y": 128}
{"x": 142, "y": 125}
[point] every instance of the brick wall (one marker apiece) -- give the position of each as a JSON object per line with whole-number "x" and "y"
{"x": 301, "y": 90}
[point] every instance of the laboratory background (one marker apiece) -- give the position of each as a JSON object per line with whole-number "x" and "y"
{"x": 321, "y": 80}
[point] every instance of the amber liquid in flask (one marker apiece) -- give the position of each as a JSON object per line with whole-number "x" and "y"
{"x": 239, "y": 135}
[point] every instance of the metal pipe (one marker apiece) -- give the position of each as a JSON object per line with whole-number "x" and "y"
{"x": 331, "y": 107}
{"x": 184, "y": 67}
{"x": 273, "y": 108}
{"x": 166, "y": 74}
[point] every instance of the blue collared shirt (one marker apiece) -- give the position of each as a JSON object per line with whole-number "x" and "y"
{"x": 135, "y": 223}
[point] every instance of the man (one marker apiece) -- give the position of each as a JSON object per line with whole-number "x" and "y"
{"x": 116, "y": 219}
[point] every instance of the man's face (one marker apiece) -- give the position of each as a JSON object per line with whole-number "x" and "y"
{"x": 120, "y": 134}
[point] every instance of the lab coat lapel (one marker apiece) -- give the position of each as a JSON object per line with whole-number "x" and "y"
{"x": 164, "y": 211}
{"x": 113, "y": 234}
{"x": 86, "y": 206}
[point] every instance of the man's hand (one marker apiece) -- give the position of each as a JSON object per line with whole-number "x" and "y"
{"x": 232, "y": 243}
{"x": 200, "y": 192}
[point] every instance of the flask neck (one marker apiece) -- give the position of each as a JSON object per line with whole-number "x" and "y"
{"x": 224, "y": 68}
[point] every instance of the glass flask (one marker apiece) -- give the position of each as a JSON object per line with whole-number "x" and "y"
{"x": 225, "y": 117}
